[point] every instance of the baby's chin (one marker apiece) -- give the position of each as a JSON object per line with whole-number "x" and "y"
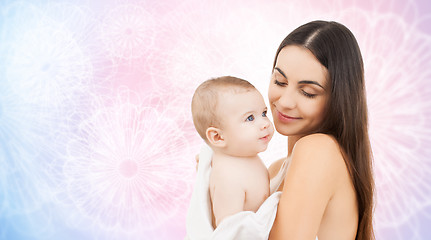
{"x": 251, "y": 153}
{"x": 263, "y": 150}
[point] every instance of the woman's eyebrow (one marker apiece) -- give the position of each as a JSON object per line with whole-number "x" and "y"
{"x": 300, "y": 82}
{"x": 281, "y": 72}
{"x": 310, "y": 82}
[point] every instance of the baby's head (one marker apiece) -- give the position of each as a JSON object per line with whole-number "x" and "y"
{"x": 230, "y": 115}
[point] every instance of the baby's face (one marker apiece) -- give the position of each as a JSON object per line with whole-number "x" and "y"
{"x": 245, "y": 126}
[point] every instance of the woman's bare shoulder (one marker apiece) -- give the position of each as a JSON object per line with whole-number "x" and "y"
{"x": 318, "y": 152}
{"x": 318, "y": 139}
{"x": 312, "y": 180}
{"x": 318, "y": 144}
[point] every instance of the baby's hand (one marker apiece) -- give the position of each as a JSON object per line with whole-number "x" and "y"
{"x": 197, "y": 161}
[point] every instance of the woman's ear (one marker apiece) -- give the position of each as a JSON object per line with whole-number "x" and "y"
{"x": 214, "y": 137}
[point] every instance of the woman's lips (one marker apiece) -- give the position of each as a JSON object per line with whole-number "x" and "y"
{"x": 286, "y": 118}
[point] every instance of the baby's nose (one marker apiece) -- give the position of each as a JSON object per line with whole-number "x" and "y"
{"x": 265, "y": 124}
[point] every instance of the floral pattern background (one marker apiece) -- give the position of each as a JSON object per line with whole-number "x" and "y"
{"x": 96, "y": 135}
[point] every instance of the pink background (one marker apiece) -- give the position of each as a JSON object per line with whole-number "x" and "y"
{"x": 96, "y": 135}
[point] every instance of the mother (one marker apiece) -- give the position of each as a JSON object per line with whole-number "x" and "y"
{"x": 317, "y": 99}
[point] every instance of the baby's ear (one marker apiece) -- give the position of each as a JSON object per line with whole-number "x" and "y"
{"x": 214, "y": 137}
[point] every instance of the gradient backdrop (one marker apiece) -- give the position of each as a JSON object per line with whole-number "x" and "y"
{"x": 96, "y": 135}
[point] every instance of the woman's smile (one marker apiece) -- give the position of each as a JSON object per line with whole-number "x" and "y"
{"x": 286, "y": 118}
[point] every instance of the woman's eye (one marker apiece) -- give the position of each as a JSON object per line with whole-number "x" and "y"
{"x": 309, "y": 95}
{"x": 281, "y": 84}
{"x": 250, "y": 118}
{"x": 264, "y": 114}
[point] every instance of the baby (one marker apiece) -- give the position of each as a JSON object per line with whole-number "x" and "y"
{"x": 230, "y": 115}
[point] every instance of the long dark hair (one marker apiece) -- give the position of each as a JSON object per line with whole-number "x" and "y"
{"x": 346, "y": 116}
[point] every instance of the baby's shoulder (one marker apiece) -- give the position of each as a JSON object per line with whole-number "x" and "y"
{"x": 238, "y": 172}
{"x": 224, "y": 170}
{"x": 226, "y": 179}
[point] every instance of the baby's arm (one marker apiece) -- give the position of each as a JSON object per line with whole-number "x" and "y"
{"x": 227, "y": 194}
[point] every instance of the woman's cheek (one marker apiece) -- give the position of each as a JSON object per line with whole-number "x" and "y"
{"x": 314, "y": 111}
{"x": 271, "y": 94}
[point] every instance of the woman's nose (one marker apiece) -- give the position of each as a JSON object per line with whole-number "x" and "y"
{"x": 287, "y": 100}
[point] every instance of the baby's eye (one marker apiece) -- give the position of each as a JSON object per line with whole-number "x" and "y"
{"x": 250, "y": 118}
{"x": 264, "y": 114}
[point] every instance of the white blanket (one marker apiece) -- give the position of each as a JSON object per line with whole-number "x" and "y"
{"x": 243, "y": 225}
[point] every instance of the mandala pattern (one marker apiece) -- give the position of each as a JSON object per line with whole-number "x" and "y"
{"x": 127, "y": 168}
{"x": 96, "y": 136}
{"x": 128, "y": 31}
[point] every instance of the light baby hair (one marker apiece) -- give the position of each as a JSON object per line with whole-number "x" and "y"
{"x": 206, "y": 97}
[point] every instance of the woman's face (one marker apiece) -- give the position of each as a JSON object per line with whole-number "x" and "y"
{"x": 298, "y": 92}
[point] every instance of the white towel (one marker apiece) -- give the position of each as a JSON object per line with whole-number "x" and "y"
{"x": 243, "y": 225}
